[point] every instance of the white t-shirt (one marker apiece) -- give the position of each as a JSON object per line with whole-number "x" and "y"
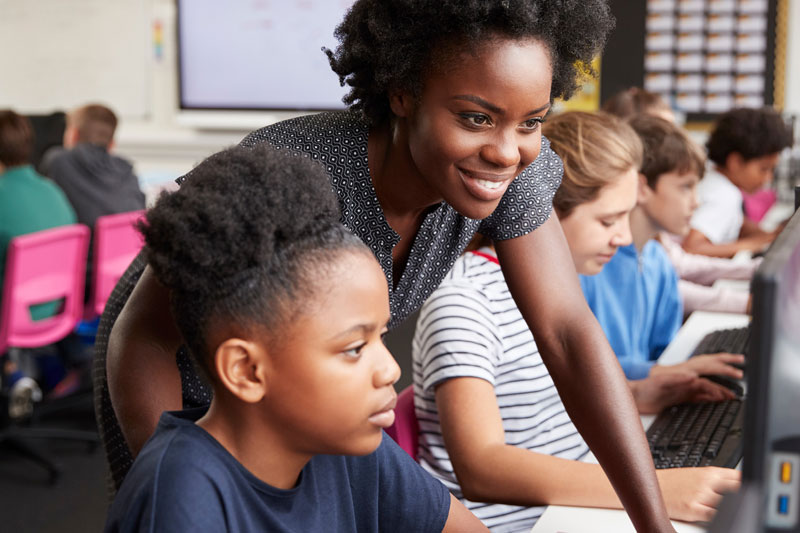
{"x": 471, "y": 327}
{"x": 720, "y": 214}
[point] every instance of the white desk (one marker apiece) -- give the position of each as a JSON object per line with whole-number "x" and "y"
{"x": 561, "y": 519}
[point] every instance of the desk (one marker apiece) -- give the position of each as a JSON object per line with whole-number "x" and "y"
{"x": 561, "y": 519}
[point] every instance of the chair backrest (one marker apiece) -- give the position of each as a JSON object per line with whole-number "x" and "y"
{"x": 42, "y": 267}
{"x": 405, "y": 430}
{"x": 116, "y": 243}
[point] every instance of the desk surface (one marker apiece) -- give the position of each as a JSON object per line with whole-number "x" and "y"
{"x": 561, "y": 519}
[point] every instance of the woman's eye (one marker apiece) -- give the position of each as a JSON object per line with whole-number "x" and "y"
{"x": 476, "y": 119}
{"x": 532, "y": 124}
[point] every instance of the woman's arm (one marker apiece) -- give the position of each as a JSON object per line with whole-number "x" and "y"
{"x": 489, "y": 470}
{"x": 143, "y": 379}
{"x": 540, "y": 274}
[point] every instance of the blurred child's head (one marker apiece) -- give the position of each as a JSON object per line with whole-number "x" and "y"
{"x": 671, "y": 167}
{"x": 637, "y": 101}
{"x": 281, "y": 306}
{"x": 601, "y": 156}
{"x": 745, "y": 145}
{"x": 16, "y": 139}
{"x": 93, "y": 124}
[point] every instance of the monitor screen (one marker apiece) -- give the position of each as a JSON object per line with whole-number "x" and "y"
{"x": 258, "y": 55}
{"x": 772, "y": 441}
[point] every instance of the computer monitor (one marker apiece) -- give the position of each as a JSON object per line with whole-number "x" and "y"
{"x": 771, "y": 460}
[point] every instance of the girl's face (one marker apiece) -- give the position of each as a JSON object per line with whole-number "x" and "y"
{"x": 477, "y": 123}
{"x": 594, "y": 230}
{"x": 332, "y": 377}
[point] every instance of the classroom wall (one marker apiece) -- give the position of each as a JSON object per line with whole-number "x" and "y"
{"x": 89, "y": 46}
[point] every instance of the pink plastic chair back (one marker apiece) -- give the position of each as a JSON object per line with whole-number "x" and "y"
{"x": 405, "y": 430}
{"x": 41, "y": 267}
{"x": 116, "y": 243}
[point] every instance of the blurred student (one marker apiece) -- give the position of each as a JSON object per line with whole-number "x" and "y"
{"x": 493, "y": 427}
{"x": 696, "y": 272}
{"x": 744, "y": 147}
{"x": 635, "y": 298}
{"x": 286, "y": 318}
{"x": 28, "y": 203}
{"x": 95, "y": 181}
{"x": 637, "y": 101}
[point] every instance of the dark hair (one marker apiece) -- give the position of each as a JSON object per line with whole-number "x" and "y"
{"x": 387, "y": 45}
{"x": 596, "y": 148}
{"x": 635, "y": 101}
{"x": 95, "y": 124}
{"x": 749, "y": 132}
{"x": 16, "y": 139}
{"x": 241, "y": 243}
{"x": 667, "y": 148}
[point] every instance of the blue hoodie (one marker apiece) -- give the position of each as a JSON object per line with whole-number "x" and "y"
{"x": 635, "y": 298}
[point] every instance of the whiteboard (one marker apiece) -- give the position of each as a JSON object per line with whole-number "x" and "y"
{"x": 58, "y": 54}
{"x": 265, "y": 54}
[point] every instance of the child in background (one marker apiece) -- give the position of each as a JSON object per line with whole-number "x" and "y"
{"x": 492, "y": 425}
{"x": 697, "y": 272}
{"x": 744, "y": 147}
{"x": 284, "y": 312}
{"x": 635, "y": 298}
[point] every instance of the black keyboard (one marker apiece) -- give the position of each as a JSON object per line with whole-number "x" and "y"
{"x": 732, "y": 340}
{"x": 698, "y": 434}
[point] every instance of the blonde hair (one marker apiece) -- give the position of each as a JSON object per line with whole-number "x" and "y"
{"x": 596, "y": 149}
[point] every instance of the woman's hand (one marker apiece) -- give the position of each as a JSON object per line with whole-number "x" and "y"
{"x": 693, "y": 494}
{"x": 657, "y": 392}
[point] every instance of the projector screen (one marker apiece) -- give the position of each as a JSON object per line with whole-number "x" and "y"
{"x": 258, "y": 54}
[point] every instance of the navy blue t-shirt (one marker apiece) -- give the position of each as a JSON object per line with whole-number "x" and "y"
{"x": 184, "y": 480}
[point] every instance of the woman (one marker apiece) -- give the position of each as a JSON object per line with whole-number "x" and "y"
{"x": 442, "y": 140}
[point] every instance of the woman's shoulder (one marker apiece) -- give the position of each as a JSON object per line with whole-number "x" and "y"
{"x": 308, "y": 133}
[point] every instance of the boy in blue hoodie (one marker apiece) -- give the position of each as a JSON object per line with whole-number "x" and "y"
{"x": 635, "y": 297}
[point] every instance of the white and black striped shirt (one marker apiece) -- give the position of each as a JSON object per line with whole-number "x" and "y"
{"x": 471, "y": 327}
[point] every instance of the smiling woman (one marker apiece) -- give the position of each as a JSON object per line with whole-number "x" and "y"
{"x": 442, "y": 140}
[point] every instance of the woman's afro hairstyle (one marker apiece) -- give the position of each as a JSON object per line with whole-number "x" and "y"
{"x": 749, "y": 132}
{"x": 246, "y": 232}
{"x": 387, "y": 45}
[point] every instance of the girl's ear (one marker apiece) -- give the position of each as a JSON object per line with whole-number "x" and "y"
{"x": 401, "y": 103}
{"x": 241, "y": 367}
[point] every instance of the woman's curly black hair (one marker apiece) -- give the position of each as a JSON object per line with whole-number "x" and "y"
{"x": 749, "y": 132}
{"x": 241, "y": 242}
{"x": 387, "y": 45}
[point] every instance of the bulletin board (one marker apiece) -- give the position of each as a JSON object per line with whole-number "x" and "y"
{"x": 59, "y": 54}
{"x": 704, "y": 56}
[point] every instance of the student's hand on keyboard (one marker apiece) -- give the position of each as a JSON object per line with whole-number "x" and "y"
{"x": 719, "y": 364}
{"x": 693, "y": 494}
{"x": 657, "y": 392}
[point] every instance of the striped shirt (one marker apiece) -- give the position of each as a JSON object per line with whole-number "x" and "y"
{"x": 471, "y": 327}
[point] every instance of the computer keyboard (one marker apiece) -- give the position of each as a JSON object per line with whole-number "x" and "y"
{"x": 733, "y": 340}
{"x": 698, "y": 434}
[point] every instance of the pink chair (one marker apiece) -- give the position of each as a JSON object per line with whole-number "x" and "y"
{"x": 42, "y": 267}
{"x": 405, "y": 430}
{"x": 116, "y": 243}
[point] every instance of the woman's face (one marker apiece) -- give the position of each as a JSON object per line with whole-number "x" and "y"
{"x": 477, "y": 123}
{"x": 594, "y": 230}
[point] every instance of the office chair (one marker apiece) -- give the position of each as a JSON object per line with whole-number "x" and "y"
{"x": 405, "y": 430}
{"x": 45, "y": 266}
{"x": 116, "y": 243}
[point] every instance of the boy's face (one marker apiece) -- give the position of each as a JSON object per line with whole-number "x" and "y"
{"x": 671, "y": 204}
{"x": 594, "y": 230}
{"x": 331, "y": 387}
{"x": 752, "y": 174}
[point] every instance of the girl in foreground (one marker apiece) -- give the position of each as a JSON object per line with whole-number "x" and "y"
{"x": 442, "y": 140}
{"x": 492, "y": 426}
